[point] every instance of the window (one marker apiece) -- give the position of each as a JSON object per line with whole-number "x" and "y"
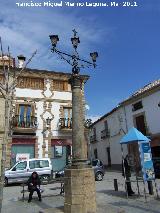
{"x": 25, "y": 116}
{"x": 105, "y": 131}
{"x": 101, "y": 164}
{"x": 32, "y": 164}
{"x": 94, "y": 162}
{"x": 38, "y": 164}
{"x": 137, "y": 106}
{"x": 66, "y": 121}
{"x": 33, "y": 83}
{"x": 94, "y": 131}
{"x": 67, "y": 112}
{"x": 60, "y": 85}
{"x": 44, "y": 163}
{"x": 106, "y": 125}
{"x": 58, "y": 151}
{"x": 25, "y": 112}
{"x": 20, "y": 166}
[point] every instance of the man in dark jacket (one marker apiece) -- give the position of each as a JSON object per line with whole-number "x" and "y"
{"x": 126, "y": 172}
{"x": 34, "y": 185}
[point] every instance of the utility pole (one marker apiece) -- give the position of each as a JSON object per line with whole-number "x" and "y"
{"x": 7, "y": 88}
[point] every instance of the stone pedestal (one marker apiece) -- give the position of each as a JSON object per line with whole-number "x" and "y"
{"x": 80, "y": 196}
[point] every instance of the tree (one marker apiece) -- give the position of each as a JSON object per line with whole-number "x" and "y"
{"x": 7, "y": 87}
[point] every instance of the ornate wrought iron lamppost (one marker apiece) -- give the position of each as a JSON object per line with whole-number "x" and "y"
{"x": 79, "y": 184}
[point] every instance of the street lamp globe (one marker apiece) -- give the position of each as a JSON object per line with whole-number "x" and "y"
{"x": 75, "y": 41}
{"x": 94, "y": 56}
{"x": 54, "y": 39}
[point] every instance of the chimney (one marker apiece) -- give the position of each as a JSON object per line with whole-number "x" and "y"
{"x": 21, "y": 60}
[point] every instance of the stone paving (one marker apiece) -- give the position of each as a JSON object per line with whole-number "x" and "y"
{"x": 108, "y": 201}
{"x": 134, "y": 204}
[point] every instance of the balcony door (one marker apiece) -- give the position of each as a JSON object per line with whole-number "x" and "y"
{"x": 67, "y": 116}
{"x": 25, "y": 114}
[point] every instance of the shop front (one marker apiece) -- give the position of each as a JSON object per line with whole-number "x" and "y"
{"x": 60, "y": 153}
{"x": 22, "y": 149}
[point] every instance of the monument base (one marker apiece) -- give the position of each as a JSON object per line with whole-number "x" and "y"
{"x": 80, "y": 196}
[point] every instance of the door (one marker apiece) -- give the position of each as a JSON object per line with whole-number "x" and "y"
{"x": 95, "y": 154}
{"x": 140, "y": 124}
{"x": 109, "y": 156}
{"x": 18, "y": 173}
{"x": 58, "y": 157}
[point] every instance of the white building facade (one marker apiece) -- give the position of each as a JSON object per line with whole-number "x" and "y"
{"x": 42, "y": 117}
{"x": 141, "y": 110}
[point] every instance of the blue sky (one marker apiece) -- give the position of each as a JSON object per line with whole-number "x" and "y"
{"x": 127, "y": 40}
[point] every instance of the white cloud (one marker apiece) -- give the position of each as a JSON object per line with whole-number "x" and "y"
{"x": 27, "y": 29}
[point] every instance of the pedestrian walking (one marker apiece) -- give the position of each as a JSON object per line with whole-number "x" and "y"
{"x": 34, "y": 185}
{"x": 126, "y": 172}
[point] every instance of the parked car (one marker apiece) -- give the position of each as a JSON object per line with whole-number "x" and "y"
{"x": 98, "y": 170}
{"x": 22, "y": 170}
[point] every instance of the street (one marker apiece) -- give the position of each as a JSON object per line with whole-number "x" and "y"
{"x": 108, "y": 200}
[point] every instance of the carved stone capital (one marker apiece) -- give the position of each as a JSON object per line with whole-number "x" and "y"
{"x": 76, "y": 81}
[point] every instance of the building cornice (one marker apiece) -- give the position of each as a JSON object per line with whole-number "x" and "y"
{"x": 140, "y": 96}
{"x": 46, "y": 74}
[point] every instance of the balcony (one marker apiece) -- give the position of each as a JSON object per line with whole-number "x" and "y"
{"x": 93, "y": 139}
{"x": 105, "y": 134}
{"x": 65, "y": 123}
{"x": 29, "y": 122}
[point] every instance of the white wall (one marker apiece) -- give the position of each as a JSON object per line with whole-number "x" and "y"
{"x": 31, "y": 93}
{"x": 152, "y": 112}
{"x": 120, "y": 121}
{"x": 116, "y": 133}
{"x": 57, "y": 97}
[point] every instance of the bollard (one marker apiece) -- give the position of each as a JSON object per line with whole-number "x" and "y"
{"x": 115, "y": 185}
{"x": 150, "y": 187}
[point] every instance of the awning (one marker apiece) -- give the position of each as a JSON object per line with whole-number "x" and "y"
{"x": 61, "y": 142}
{"x": 23, "y": 141}
{"x": 133, "y": 136}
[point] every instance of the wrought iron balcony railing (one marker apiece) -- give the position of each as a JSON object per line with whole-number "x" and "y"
{"x": 65, "y": 123}
{"x": 24, "y": 122}
{"x": 105, "y": 133}
{"x": 93, "y": 139}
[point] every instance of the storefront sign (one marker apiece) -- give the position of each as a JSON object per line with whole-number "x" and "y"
{"x": 146, "y": 161}
{"x": 22, "y": 156}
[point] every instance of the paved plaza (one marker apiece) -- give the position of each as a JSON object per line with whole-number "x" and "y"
{"x": 108, "y": 200}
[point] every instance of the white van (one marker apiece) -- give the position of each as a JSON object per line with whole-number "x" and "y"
{"x": 22, "y": 170}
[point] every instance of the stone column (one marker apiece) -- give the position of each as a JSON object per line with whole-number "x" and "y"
{"x": 80, "y": 194}
{"x": 78, "y": 145}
